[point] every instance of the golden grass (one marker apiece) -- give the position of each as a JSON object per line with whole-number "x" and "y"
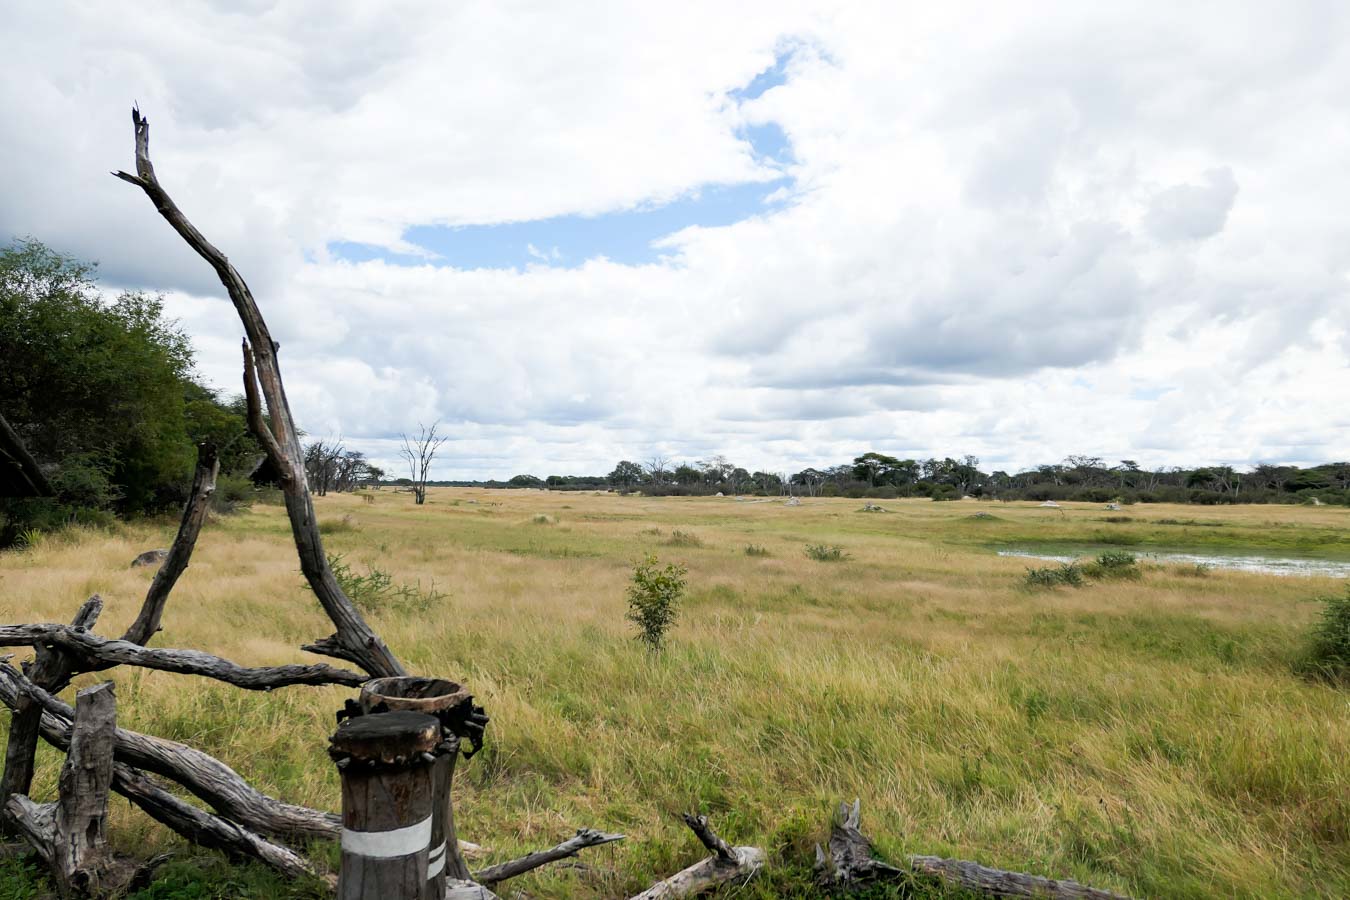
{"x": 1146, "y": 736}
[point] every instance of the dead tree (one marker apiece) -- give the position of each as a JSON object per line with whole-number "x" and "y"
{"x": 419, "y": 452}
{"x": 239, "y": 816}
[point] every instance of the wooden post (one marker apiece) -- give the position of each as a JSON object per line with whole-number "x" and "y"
{"x": 385, "y": 761}
{"x": 71, "y": 834}
{"x": 436, "y": 697}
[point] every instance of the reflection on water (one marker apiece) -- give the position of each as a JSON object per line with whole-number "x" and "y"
{"x": 1268, "y": 565}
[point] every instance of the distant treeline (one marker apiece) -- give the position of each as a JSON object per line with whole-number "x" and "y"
{"x": 876, "y": 475}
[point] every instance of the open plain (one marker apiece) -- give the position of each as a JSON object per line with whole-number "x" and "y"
{"x": 1146, "y": 735}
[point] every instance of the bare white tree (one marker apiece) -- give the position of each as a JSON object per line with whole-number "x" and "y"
{"x": 419, "y": 452}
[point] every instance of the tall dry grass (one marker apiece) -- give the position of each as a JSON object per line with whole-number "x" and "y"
{"x": 1147, "y": 736}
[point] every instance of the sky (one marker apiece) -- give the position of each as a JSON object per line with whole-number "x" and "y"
{"x": 787, "y": 233}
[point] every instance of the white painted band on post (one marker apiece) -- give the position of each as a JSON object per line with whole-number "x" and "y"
{"x": 435, "y": 861}
{"x": 388, "y": 844}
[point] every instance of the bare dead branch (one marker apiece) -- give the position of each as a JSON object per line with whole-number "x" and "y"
{"x": 200, "y": 773}
{"x": 586, "y": 837}
{"x": 101, "y": 652}
{"x": 50, "y": 669}
{"x": 352, "y": 632}
{"x": 180, "y": 553}
{"x": 850, "y": 862}
{"x": 726, "y": 864}
{"x": 257, "y": 424}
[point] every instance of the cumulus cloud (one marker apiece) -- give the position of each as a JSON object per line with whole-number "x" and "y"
{"x": 1193, "y": 211}
{"x": 1016, "y": 232}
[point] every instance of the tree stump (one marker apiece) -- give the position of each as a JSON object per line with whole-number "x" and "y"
{"x": 385, "y": 761}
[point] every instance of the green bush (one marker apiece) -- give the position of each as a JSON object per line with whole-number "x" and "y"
{"x": 756, "y": 550}
{"x": 824, "y": 553}
{"x": 1327, "y": 656}
{"x": 1113, "y": 564}
{"x": 376, "y": 590}
{"x": 233, "y": 493}
{"x": 654, "y": 599}
{"x": 1070, "y": 574}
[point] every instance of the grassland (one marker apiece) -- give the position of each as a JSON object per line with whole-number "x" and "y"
{"x": 1143, "y": 735}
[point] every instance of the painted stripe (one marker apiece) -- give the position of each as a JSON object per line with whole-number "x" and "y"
{"x": 435, "y": 861}
{"x": 388, "y": 844}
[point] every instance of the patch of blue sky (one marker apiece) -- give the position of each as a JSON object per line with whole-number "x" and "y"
{"x": 624, "y": 236}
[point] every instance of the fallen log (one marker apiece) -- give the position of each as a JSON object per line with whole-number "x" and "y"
{"x": 200, "y": 773}
{"x": 850, "y": 863}
{"x": 100, "y": 652}
{"x": 726, "y": 864}
{"x": 585, "y": 837}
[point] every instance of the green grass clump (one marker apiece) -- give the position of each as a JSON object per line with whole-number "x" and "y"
{"x": 756, "y": 550}
{"x": 1327, "y": 656}
{"x": 1070, "y": 574}
{"x": 684, "y": 539}
{"x": 1113, "y": 564}
{"x": 345, "y": 525}
{"x": 825, "y": 553}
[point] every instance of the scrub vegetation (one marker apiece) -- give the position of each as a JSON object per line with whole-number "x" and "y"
{"x": 1157, "y": 734}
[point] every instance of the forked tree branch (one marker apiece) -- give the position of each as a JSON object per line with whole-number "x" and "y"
{"x": 356, "y": 638}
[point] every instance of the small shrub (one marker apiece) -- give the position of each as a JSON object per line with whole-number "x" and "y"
{"x": 824, "y": 553}
{"x": 654, "y": 599}
{"x": 542, "y": 519}
{"x": 376, "y": 590}
{"x": 756, "y": 550}
{"x": 233, "y": 492}
{"x": 1113, "y": 564}
{"x": 1327, "y": 656}
{"x": 1054, "y": 576}
{"x": 684, "y": 539}
{"x": 30, "y": 539}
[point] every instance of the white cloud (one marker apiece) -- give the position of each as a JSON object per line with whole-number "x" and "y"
{"x": 1013, "y": 231}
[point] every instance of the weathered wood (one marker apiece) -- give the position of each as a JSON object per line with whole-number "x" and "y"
{"x": 50, "y": 669}
{"x": 92, "y": 651}
{"x": 725, "y": 865}
{"x": 850, "y": 862}
{"x": 180, "y": 551}
{"x": 71, "y": 834}
{"x": 355, "y": 638}
{"x": 195, "y": 824}
{"x": 441, "y": 698}
{"x": 386, "y": 804}
{"x": 585, "y": 837}
{"x": 82, "y": 855}
{"x": 200, "y": 773}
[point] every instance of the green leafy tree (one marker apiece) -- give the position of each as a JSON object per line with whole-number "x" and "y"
{"x": 100, "y": 391}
